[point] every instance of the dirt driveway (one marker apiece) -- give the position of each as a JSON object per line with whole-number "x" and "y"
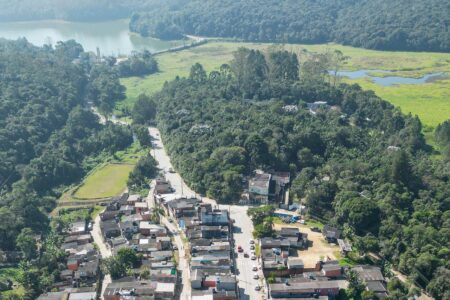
{"x": 319, "y": 249}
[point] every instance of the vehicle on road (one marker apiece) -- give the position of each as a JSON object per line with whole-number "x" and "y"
{"x": 171, "y": 170}
{"x": 255, "y": 276}
{"x": 252, "y": 247}
{"x": 175, "y": 247}
{"x": 246, "y": 254}
{"x": 252, "y": 242}
{"x": 253, "y": 257}
{"x": 315, "y": 229}
{"x": 257, "y": 288}
{"x": 239, "y": 249}
{"x": 255, "y": 268}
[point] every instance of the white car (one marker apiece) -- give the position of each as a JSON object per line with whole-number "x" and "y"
{"x": 255, "y": 276}
{"x": 253, "y": 257}
{"x": 252, "y": 242}
{"x": 255, "y": 268}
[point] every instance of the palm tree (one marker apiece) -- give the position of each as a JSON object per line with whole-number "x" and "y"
{"x": 156, "y": 213}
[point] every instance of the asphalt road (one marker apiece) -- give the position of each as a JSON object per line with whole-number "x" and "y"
{"x": 243, "y": 224}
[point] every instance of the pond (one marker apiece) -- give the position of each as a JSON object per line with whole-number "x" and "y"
{"x": 112, "y": 37}
{"x": 391, "y": 80}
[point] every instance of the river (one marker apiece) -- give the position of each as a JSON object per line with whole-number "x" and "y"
{"x": 112, "y": 37}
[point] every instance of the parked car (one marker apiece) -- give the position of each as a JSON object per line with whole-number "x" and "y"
{"x": 252, "y": 247}
{"x": 255, "y": 268}
{"x": 239, "y": 249}
{"x": 175, "y": 247}
{"x": 315, "y": 229}
{"x": 255, "y": 276}
{"x": 246, "y": 254}
{"x": 252, "y": 242}
{"x": 257, "y": 288}
{"x": 253, "y": 257}
{"x": 171, "y": 170}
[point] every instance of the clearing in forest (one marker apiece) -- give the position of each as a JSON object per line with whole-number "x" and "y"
{"x": 108, "y": 181}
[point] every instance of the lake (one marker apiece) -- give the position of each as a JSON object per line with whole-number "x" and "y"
{"x": 390, "y": 80}
{"x": 112, "y": 37}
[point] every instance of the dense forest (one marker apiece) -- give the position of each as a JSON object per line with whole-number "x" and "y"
{"x": 48, "y": 138}
{"x": 415, "y": 25}
{"x": 358, "y": 162}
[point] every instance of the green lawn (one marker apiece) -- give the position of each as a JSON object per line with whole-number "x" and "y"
{"x": 108, "y": 181}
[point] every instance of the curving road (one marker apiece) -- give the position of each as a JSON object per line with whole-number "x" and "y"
{"x": 243, "y": 225}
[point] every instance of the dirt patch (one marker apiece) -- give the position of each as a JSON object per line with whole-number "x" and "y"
{"x": 318, "y": 249}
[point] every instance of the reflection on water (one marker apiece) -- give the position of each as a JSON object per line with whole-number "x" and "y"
{"x": 390, "y": 80}
{"x": 113, "y": 37}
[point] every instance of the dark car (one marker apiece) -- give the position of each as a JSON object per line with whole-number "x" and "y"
{"x": 246, "y": 254}
{"x": 315, "y": 229}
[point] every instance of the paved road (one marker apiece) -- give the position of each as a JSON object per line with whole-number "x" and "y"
{"x": 244, "y": 226}
{"x": 105, "y": 251}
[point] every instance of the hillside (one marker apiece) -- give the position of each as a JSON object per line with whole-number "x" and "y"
{"x": 251, "y": 114}
{"x": 381, "y": 24}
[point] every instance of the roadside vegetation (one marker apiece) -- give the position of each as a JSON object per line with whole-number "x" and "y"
{"x": 251, "y": 114}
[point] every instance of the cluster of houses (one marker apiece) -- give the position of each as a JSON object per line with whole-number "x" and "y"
{"x": 79, "y": 279}
{"x": 288, "y": 277}
{"x": 128, "y": 222}
{"x": 209, "y": 232}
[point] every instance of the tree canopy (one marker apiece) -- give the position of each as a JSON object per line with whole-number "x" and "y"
{"x": 358, "y": 162}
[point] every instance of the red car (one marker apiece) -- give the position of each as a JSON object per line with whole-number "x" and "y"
{"x": 239, "y": 248}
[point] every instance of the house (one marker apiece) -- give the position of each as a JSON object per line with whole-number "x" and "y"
{"x": 127, "y": 210}
{"x": 316, "y": 106}
{"x": 109, "y": 215}
{"x": 164, "y": 243}
{"x": 141, "y": 207}
{"x": 72, "y": 264}
{"x": 281, "y": 190}
{"x": 78, "y": 239}
{"x": 109, "y": 229}
{"x": 132, "y": 199}
{"x": 373, "y": 278}
{"x": 66, "y": 275}
{"x": 126, "y": 288}
{"x": 295, "y": 265}
{"x": 54, "y": 296}
{"x": 77, "y": 228}
{"x": 165, "y": 290}
{"x": 154, "y": 230}
{"x": 162, "y": 186}
{"x": 183, "y": 207}
{"x": 344, "y": 246}
{"x": 83, "y": 296}
{"x": 87, "y": 270}
{"x": 296, "y": 238}
{"x": 306, "y": 289}
{"x": 259, "y": 187}
{"x": 215, "y": 217}
{"x": 331, "y": 234}
{"x": 331, "y": 269}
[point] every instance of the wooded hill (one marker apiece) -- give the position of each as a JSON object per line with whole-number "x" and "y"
{"x": 47, "y": 138}
{"x": 413, "y": 25}
{"x": 382, "y": 187}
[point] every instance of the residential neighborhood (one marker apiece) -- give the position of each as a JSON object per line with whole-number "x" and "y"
{"x": 190, "y": 247}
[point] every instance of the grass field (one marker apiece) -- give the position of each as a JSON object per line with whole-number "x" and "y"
{"x": 107, "y": 181}
{"x": 431, "y": 101}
